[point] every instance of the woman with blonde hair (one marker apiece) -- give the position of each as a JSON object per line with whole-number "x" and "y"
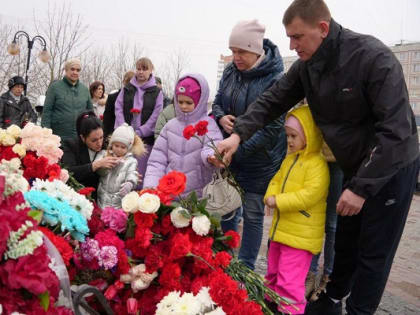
{"x": 139, "y": 105}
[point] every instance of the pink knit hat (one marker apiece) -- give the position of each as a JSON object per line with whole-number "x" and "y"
{"x": 249, "y": 36}
{"x": 189, "y": 87}
{"x": 294, "y": 123}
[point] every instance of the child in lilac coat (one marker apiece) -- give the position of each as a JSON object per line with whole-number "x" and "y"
{"x": 172, "y": 151}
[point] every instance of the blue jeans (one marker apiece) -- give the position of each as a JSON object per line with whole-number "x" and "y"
{"x": 334, "y": 192}
{"x": 252, "y": 211}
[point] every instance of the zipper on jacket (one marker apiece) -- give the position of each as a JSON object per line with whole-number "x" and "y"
{"x": 282, "y": 190}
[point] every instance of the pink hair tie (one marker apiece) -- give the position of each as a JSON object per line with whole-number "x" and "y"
{"x": 85, "y": 116}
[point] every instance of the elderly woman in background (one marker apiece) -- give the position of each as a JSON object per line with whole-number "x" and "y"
{"x": 97, "y": 93}
{"x": 83, "y": 155}
{"x": 256, "y": 65}
{"x": 139, "y": 105}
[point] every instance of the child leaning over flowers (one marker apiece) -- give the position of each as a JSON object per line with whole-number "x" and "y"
{"x": 121, "y": 179}
{"x": 174, "y": 150}
{"x": 298, "y": 194}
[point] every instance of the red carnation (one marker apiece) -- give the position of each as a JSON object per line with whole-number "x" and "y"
{"x": 172, "y": 183}
{"x": 135, "y": 111}
{"x": 7, "y": 153}
{"x": 86, "y": 191}
{"x": 170, "y": 276}
{"x": 222, "y": 259}
{"x": 7, "y": 121}
{"x": 189, "y": 132}
{"x": 234, "y": 239}
{"x": 60, "y": 243}
{"x": 144, "y": 220}
{"x": 181, "y": 246}
{"x": 101, "y": 117}
{"x": 53, "y": 172}
{"x": 143, "y": 237}
{"x": 201, "y": 127}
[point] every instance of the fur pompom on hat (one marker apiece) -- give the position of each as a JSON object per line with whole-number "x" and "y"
{"x": 249, "y": 36}
{"x": 126, "y": 135}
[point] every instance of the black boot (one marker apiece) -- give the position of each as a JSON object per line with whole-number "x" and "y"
{"x": 324, "y": 306}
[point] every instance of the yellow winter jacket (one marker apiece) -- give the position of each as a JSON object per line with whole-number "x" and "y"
{"x": 301, "y": 188}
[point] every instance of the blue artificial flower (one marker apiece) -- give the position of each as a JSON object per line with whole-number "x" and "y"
{"x": 58, "y": 212}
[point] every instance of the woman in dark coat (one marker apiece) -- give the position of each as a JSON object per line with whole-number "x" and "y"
{"x": 256, "y": 65}
{"x": 83, "y": 155}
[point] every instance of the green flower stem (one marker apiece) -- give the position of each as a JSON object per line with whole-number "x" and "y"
{"x": 200, "y": 258}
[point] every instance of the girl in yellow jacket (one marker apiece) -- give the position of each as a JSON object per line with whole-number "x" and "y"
{"x": 297, "y": 194}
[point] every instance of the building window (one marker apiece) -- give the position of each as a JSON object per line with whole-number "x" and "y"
{"x": 403, "y": 56}
{"x": 416, "y": 67}
{"x": 416, "y": 55}
{"x": 415, "y": 80}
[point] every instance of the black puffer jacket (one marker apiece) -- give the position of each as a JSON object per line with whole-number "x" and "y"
{"x": 358, "y": 97}
{"x": 14, "y": 113}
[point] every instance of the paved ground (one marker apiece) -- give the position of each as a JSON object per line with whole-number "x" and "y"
{"x": 402, "y": 293}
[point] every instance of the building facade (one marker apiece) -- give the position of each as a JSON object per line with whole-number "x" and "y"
{"x": 221, "y": 65}
{"x": 409, "y": 57}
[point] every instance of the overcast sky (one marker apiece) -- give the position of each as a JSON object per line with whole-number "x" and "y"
{"x": 202, "y": 28}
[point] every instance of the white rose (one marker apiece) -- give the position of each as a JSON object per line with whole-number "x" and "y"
{"x": 201, "y": 225}
{"x": 178, "y": 220}
{"x": 14, "y": 131}
{"x": 130, "y": 202}
{"x": 19, "y": 149}
{"x": 149, "y": 203}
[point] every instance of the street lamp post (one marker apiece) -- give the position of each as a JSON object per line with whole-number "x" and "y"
{"x": 14, "y": 49}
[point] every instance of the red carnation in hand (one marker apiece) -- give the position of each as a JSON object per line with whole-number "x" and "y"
{"x": 172, "y": 183}
{"x": 234, "y": 239}
{"x": 189, "y": 132}
{"x": 201, "y": 127}
{"x": 135, "y": 111}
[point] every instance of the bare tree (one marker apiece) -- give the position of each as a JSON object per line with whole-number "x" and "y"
{"x": 66, "y": 37}
{"x": 9, "y": 65}
{"x": 124, "y": 57}
{"x": 96, "y": 66}
{"x": 172, "y": 69}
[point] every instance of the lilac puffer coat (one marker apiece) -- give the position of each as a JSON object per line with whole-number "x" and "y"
{"x": 173, "y": 152}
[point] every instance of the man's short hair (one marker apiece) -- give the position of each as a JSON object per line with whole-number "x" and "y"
{"x": 310, "y": 11}
{"x": 72, "y": 62}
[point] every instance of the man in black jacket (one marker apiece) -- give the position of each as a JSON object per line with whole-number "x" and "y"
{"x": 15, "y": 108}
{"x": 356, "y": 91}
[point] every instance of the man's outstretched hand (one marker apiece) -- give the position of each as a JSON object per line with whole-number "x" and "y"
{"x": 227, "y": 148}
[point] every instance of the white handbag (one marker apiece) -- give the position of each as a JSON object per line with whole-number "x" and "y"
{"x": 222, "y": 197}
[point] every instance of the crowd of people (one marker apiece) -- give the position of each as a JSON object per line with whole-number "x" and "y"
{"x": 329, "y": 149}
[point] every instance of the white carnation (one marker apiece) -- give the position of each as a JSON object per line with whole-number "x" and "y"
{"x": 130, "y": 202}
{"x": 178, "y": 220}
{"x": 217, "y": 311}
{"x": 205, "y": 299}
{"x": 201, "y": 225}
{"x": 166, "y": 305}
{"x": 149, "y": 203}
{"x": 188, "y": 304}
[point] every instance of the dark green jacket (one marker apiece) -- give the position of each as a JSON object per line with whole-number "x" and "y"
{"x": 63, "y": 103}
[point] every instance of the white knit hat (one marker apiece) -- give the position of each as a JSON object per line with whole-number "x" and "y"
{"x": 124, "y": 134}
{"x": 248, "y": 35}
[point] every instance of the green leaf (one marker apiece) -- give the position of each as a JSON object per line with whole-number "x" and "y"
{"x": 131, "y": 227}
{"x": 44, "y": 300}
{"x": 185, "y": 214}
{"x": 193, "y": 197}
{"x": 36, "y": 215}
